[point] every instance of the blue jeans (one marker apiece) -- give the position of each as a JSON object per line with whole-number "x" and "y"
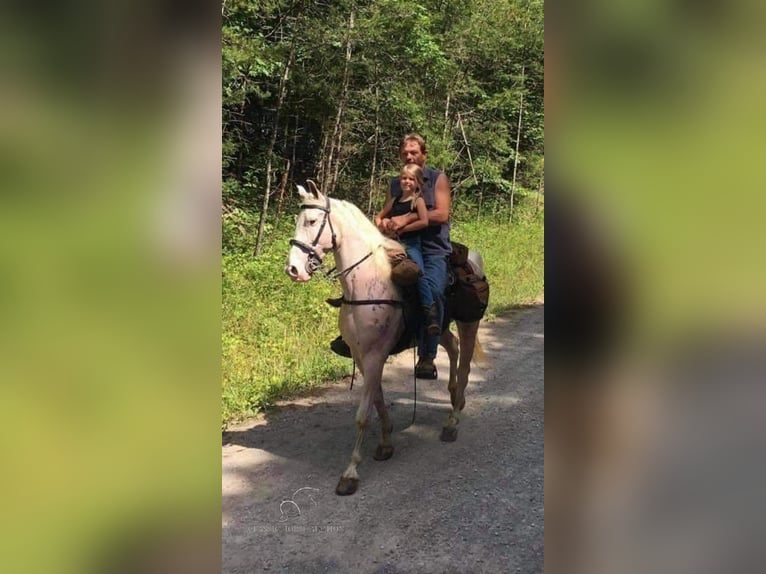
{"x": 412, "y": 245}
{"x": 435, "y": 277}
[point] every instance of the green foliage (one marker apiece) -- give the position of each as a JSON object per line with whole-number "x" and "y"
{"x": 513, "y": 255}
{"x": 238, "y": 230}
{"x": 275, "y": 332}
{"x": 449, "y": 70}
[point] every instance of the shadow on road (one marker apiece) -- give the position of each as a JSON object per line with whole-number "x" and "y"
{"x": 479, "y": 498}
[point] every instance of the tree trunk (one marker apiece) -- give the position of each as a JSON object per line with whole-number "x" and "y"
{"x": 539, "y": 193}
{"x": 374, "y": 151}
{"x": 270, "y": 150}
{"x": 285, "y": 174}
{"x": 336, "y": 168}
{"x": 470, "y": 159}
{"x": 446, "y": 121}
{"x": 331, "y": 171}
{"x": 323, "y": 151}
{"x": 518, "y": 141}
{"x": 295, "y": 146}
{"x": 282, "y": 190}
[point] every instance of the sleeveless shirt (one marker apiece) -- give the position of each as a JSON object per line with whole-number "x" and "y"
{"x": 402, "y": 208}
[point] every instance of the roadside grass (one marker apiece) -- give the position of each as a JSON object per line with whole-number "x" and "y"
{"x": 276, "y": 334}
{"x": 513, "y": 256}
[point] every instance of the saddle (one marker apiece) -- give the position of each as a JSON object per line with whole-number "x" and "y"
{"x": 467, "y": 293}
{"x": 466, "y": 297}
{"x": 404, "y": 271}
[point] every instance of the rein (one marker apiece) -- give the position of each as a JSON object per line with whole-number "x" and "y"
{"x": 347, "y": 270}
{"x": 393, "y": 302}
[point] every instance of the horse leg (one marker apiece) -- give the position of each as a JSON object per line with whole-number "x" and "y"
{"x": 450, "y": 344}
{"x": 373, "y": 369}
{"x": 385, "y": 449}
{"x": 467, "y": 333}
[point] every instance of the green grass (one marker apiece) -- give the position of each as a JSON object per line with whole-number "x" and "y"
{"x": 276, "y": 333}
{"x": 513, "y": 257}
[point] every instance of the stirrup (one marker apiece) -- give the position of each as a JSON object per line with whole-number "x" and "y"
{"x": 340, "y": 347}
{"x": 425, "y": 369}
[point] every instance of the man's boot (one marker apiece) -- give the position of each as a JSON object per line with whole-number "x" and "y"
{"x": 433, "y": 325}
{"x": 425, "y": 369}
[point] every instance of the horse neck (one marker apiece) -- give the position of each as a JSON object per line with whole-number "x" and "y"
{"x": 353, "y": 248}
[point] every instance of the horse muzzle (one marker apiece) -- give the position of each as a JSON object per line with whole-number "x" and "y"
{"x": 312, "y": 263}
{"x": 294, "y": 274}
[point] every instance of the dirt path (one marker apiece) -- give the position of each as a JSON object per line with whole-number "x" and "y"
{"x": 475, "y": 505}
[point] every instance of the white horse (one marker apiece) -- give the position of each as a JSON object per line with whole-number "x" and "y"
{"x": 371, "y": 319}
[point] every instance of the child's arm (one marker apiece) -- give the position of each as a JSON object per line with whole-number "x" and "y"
{"x": 421, "y": 222}
{"x": 381, "y": 215}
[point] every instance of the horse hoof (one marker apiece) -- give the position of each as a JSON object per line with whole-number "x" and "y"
{"x": 383, "y": 452}
{"x": 346, "y": 486}
{"x": 449, "y": 435}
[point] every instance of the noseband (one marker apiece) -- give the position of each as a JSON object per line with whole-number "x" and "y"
{"x": 314, "y": 260}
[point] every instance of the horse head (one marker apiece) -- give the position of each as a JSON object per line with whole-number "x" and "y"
{"x": 314, "y": 234}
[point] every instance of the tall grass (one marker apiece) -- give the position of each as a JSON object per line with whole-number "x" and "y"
{"x": 513, "y": 254}
{"x": 276, "y": 333}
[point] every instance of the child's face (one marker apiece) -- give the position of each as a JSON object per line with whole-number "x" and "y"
{"x": 409, "y": 183}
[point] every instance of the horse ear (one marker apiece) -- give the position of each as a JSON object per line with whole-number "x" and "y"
{"x": 302, "y": 191}
{"x": 313, "y": 187}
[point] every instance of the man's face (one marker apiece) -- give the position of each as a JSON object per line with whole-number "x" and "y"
{"x": 411, "y": 153}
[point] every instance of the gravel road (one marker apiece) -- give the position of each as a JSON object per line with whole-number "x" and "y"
{"x": 475, "y": 505}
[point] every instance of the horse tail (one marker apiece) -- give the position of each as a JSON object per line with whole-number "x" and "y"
{"x": 479, "y": 356}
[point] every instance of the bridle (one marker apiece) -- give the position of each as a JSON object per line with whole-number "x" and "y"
{"x": 314, "y": 260}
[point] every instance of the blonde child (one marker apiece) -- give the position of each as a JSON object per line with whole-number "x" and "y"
{"x": 411, "y": 180}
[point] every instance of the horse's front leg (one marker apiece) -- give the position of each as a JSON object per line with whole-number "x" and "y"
{"x": 373, "y": 370}
{"x": 385, "y": 449}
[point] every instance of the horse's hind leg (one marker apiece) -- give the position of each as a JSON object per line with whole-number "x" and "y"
{"x": 450, "y": 344}
{"x": 373, "y": 370}
{"x": 385, "y": 449}
{"x": 458, "y": 381}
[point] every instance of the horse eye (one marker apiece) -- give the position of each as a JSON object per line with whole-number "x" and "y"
{"x": 312, "y": 221}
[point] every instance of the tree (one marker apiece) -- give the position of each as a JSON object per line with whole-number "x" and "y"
{"x": 327, "y": 90}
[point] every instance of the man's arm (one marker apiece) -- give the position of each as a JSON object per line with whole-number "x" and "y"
{"x": 381, "y": 215}
{"x": 401, "y": 221}
{"x": 422, "y": 218}
{"x": 442, "y": 198}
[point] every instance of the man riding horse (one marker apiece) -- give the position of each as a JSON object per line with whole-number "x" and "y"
{"x": 372, "y": 311}
{"x": 435, "y": 242}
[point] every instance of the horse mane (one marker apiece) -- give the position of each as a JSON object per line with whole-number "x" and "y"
{"x": 368, "y": 232}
